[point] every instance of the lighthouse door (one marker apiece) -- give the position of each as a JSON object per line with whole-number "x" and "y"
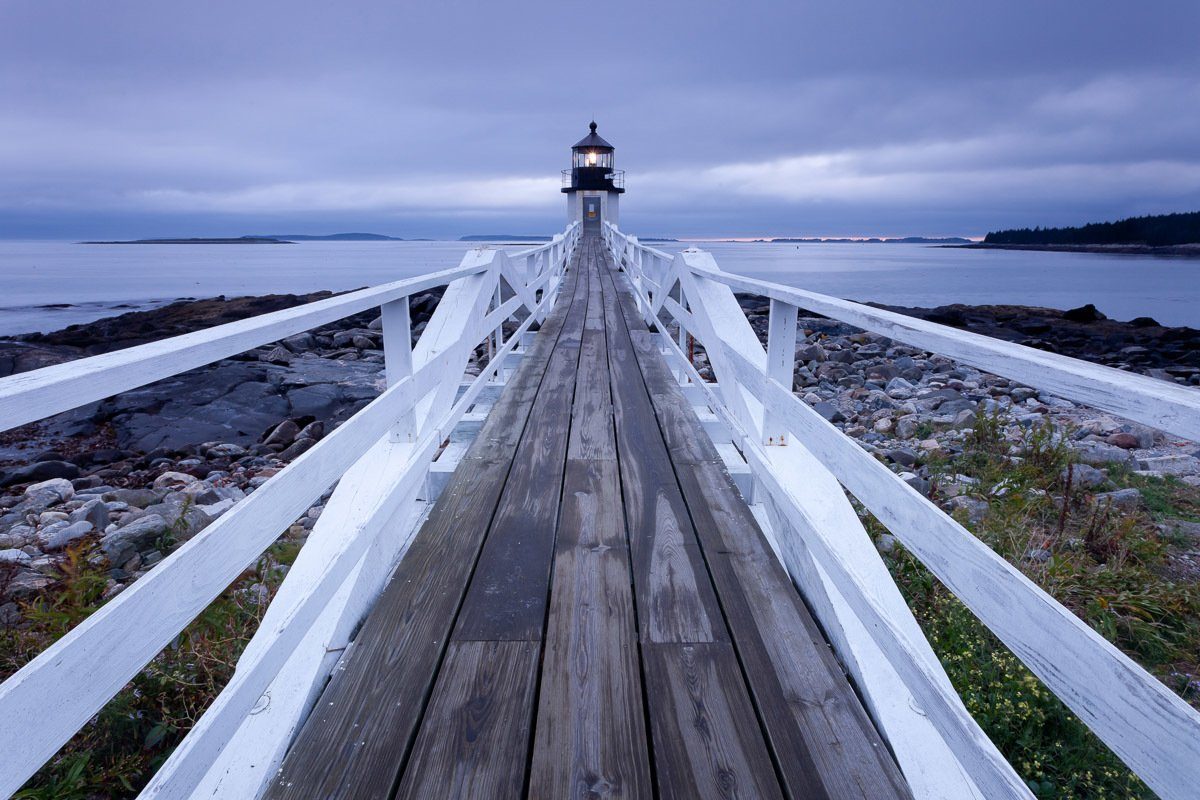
{"x": 591, "y": 209}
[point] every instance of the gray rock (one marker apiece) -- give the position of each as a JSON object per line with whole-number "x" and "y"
{"x": 902, "y": 456}
{"x": 1084, "y": 475}
{"x": 906, "y": 427}
{"x": 93, "y": 511}
{"x": 963, "y": 419}
{"x": 137, "y": 498}
{"x": 226, "y": 450}
{"x": 1121, "y": 499}
{"x": 60, "y": 486}
{"x": 1171, "y": 465}
{"x": 277, "y": 355}
{"x": 885, "y": 543}
{"x": 1101, "y": 453}
{"x": 300, "y": 343}
{"x": 296, "y": 448}
{"x": 320, "y": 400}
{"x": 123, "y": 543}
{"x": 283, "y": 434}
{"x": 43, "y": 470}
{"x": 65, "y": 535}
{"x": 14, "y": 556}
{"x": 829, "y": 411}
{"x": 974, "y": 508}
{"x": 1038, "y": 555}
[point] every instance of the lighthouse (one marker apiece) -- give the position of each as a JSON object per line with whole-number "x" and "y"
{"x": 592, "y": 185}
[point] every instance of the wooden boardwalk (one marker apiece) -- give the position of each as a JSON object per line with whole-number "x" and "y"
{"x": 590, "y": 610}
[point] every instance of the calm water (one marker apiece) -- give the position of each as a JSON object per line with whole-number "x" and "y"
{"x": 92, "y": 281}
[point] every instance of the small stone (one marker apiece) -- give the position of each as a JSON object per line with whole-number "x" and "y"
{"x": 885, "y": 543}
{"x": 283, "y": 434}
{"x": 963, "y": 419}
{"x": 974, "y": 508}
{"x": 829, "y": 411}
{"x": 50, "y": 517}
{"x": 277, "y": 355}
{"x": 1084, "y": 475}
{"x": 65, "y": 535}
{"x": 174, "y": 480}
{"x": 906, "y": 427}
{"x": 14, "y": 556}
{"x": 60, "y": 486}
{"x": 226, "y": 450}
{"x": 1038, "y": 555}
{"x": 1126, "y": 441}
{"x": 902, "y": 456}
{"x": 124, "y": 542}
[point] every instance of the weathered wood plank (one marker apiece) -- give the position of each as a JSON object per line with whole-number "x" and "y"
{"x": 354, "y": 742}
{"x": 509, "y": 591}
{"x": 822, "y": 738}
{"x": 590, "y": 732}
{"x": 475, "y": 732}
{"x": 707, "y": 743}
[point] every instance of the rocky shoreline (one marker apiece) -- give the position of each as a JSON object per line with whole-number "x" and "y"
{"x": 124, "y": 481}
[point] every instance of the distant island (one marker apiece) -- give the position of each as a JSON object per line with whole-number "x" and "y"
{"x": 502, "y": 237}
{"x": 1161, "y": 234}
{"x": 872, "y": 240}
{"x": 332, "y": 237}
{"x": 273, "y": 238}
{"x": 202, "y": 240}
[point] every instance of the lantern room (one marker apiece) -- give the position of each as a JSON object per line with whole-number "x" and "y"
{"x": 592, "y": 185}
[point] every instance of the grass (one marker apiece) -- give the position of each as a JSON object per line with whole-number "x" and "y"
{"x": 118, "y": 750}
{"x": 1112, "y": 568}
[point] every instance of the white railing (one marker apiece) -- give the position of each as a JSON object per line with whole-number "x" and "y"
{"x": 379, "y": 459}
{"x": 803, "y": 462}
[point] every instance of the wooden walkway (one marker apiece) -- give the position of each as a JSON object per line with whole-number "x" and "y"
{"x": 590, "y": 610}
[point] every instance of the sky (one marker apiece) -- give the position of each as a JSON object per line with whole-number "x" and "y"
{"x": 128, "y": 119}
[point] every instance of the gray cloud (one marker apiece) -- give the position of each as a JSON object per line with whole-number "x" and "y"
{"x": 140, "y": 118}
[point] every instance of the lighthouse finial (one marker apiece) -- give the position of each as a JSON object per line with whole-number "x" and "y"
{"x": 593, "y": 126}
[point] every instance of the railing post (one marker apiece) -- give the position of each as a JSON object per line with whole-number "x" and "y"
{"x": 398, "y": 360}
{"x": 781, "y": 363}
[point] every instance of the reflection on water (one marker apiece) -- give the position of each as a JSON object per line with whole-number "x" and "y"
{"x": 91, "y": 280}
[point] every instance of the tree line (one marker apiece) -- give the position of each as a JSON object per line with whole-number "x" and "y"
{"x": 1155, "y": 231}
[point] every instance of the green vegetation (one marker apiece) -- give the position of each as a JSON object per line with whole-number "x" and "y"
{"x": 121, "y": 747}
{"x": 1155, "y": 231}
{"x": 1115, "y": 569}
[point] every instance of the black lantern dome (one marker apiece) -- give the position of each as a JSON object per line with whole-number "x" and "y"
{"x": 592, "y": 162}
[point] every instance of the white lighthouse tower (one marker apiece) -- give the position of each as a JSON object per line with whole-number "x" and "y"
{"x": 592, "y": 185}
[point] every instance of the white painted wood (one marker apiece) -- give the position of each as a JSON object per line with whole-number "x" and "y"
{"x": 398, "y": 358}
{"x": 781, "y": 362}
{"x": 385, "y": 482}
{"x": 818, "y": 507}
{"x": 34, "y": 395}
{"x": 318, "y": 603}
{"x": 1148, "y": 726}
{"x": 1160, "y": 404}
{"x": 91, "y": 663}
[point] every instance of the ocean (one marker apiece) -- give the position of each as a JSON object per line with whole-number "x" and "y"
{"x": 48, "y": 285}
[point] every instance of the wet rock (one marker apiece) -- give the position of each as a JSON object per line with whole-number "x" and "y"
{"x": 283, "y": 434}
{"x": 41, "y": 471}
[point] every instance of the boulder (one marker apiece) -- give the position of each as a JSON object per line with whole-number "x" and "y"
{"x": 125, "y": 542}
{"x": 282, "y": 434}
{"x": 172, "y": 480}
{"x": 973, "y": 508}
{"x": 93, "y": 511}
{"x": 41, "y": 471}
{"x": 60, "y": 486}
{"x": 1101, "y": 453}
{"x": 1121, "y": 499}
{"x": 64, "y": 534}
